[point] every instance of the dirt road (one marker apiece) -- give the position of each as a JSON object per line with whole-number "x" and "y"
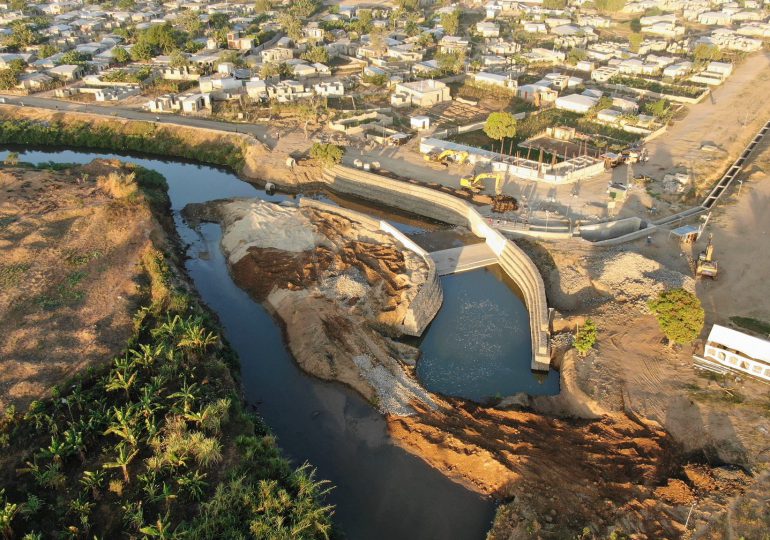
{"x": 727, "y": 119}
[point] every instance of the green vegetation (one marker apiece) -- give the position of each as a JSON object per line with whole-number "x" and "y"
{"x": 499, "y": 126}
{"x": 575, "y": 55}
{"x": 327, "y": 154}
{"x": 450, "y": 63}
{"x": 703, "y": 52}
{"x": 585, "y": 338}
{"x": 679, "y": 314}
{"x": 682, "y": 90}
{"x": 128, "y": 75}
{"x": 316, "y": 54}
{"x": 610, "y": 6}
{"x": 752, "y": 325}
{"x": 554, "y": 4}
{"x": 142, "y": 137}
{"x": 450, "y": 22}
{"x": 121, "y": 55}
{"x": 9, "y": 77}
{"x": 157, "y": 39}
{"x": 74, "y": 58}
{"x": 155, "y": 443}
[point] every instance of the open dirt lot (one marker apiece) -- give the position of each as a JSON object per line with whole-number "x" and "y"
{"x": 713, "y": 419}
{"x": 68, "y": 274}
{"x": 727, "y": 119}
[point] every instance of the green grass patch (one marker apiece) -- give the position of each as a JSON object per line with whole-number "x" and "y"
{"x": 67, "y": 293}
{"x": 751, "y": 324}
{"x": 12, "y": 275}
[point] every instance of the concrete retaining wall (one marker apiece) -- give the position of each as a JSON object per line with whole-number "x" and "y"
{"x": 610, "y": 229}
{"x": 444, "y": 207}
{"x": 426, "y": 303}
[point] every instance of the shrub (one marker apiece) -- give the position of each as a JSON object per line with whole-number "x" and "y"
{"x": 328, "y": 154}
{"x": 679, "y": 314}
{"x": 585, "y": 339}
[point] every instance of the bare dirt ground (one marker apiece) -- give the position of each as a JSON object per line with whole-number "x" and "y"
{"x": 727, "y": 119}
{"x": 68, "y": 275}
{"x": 711, "y": 419}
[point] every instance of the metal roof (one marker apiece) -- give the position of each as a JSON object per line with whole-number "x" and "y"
{"x": 756, "y": 348}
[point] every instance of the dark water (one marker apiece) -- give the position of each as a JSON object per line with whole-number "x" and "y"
{"x": 381, "y": 491}
{"x": 479, "y": 345}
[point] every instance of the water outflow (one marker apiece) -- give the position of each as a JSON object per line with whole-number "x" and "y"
{"x": 381, "y": 492}
{"x": 479, "y": 346}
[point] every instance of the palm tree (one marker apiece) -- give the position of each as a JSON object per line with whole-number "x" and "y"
{"x": 122, "y": 461}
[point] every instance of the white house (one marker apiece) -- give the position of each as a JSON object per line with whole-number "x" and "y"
{"x": 425, "y": 93}
{"x": 739, "y": 352}
{"x": 487, "y": 29}
{"x": 576, "y": 103}
{"x": 495, "y": 79}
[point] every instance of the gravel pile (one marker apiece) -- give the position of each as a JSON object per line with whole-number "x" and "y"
{"x": 633, "y": 278}
{"x": 395, "y": 389}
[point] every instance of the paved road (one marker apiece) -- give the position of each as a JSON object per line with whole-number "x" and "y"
{"x": 259, "y": 131}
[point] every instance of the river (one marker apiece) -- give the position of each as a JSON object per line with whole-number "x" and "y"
{"x": 381, "y": 491}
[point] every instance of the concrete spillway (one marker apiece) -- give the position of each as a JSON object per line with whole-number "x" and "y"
{"x": 463, "y": 258}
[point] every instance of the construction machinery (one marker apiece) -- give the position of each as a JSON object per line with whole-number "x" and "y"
{"x": 458, "y": 156}
{"x": 476, "y": 183}
{"x": 706, "y": 265}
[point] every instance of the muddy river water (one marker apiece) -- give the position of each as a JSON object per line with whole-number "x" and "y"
{"x": 381, "y": 491}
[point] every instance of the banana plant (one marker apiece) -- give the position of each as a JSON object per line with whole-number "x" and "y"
{"x": 147, "y": 354}
{"x": 122, "y": 461}
{"x": 122, "y": 378}
{"x": 187, "y": 394}
{"x": 8, "y": 511}
{"x": 161, "y": 529}
{"x": 124, "y": 425}
{"x": 75, "y": 439}
{"x": 93, "y": 482}
{"x": 57, "y": 450}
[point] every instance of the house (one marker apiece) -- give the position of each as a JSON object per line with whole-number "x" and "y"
{"x": 34, "y": 81}
{"x": 577, "y": 103}
{"x": 487, "y": 29}
{"x": 425, "y": 93}
{"x": 537, "y": 93}
{"x": 737, "y": 352}
{"x": 66, "y": 72}
{"x": 287, "y": 91}
{"x": 483, "y": 78}
{"x": 420, "y": 123}
{"x": 677, "y": 70}
{"x": 329, "y": 88}
{"x": 453, "y": 44}
{"x": 604, "y": 73}
{"x": 276, "y": 55}
{"x": 195, "y": 103}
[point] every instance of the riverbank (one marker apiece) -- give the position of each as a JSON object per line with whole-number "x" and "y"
{"x": 156, "y": 439}
{"x": 341, "y": 288}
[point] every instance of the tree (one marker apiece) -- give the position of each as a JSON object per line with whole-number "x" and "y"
{"x": 328, "y": 154}
{"x": 703, "y": 52}
{"x": 47, "y": 50}
{"x": 304, "y": 8}
{"x": 291, "y": 25}
{"x": 679, "y": 314}
{"x": 316, "y": 54}
{"x": 659, "y": 109}
{"x": 450, "y": 22}
{"x": 141, "y": 51}
{"x": 554, "y": 4}
{"x": 127, "y": 5}
{"x": 9, "y": 78}
{"x": 635, "y": 25}
{"x": 575, "y": 55}
{"x": 609, "y": 5}
{"x": 190, "y": 22}
{"x": 178, "y": 59}
{"x": 585, "y": 337}
{"x": 451, "y": 61}
{"x": 499, "y": 126}
{"x": 635, "y": 41}
{"x": 12, "y": 159}
{"x": 261, "y": 6}
{"x": 121, "y": 55}
{"x": 74, "y": 57}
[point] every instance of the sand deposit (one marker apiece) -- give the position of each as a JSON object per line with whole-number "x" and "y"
{"x": 341, "y": 288}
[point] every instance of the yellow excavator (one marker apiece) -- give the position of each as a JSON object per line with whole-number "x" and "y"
{"x": 706, "y": 265}
{"x": 459, "y": 156}
{"x": 475, "y": 183}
